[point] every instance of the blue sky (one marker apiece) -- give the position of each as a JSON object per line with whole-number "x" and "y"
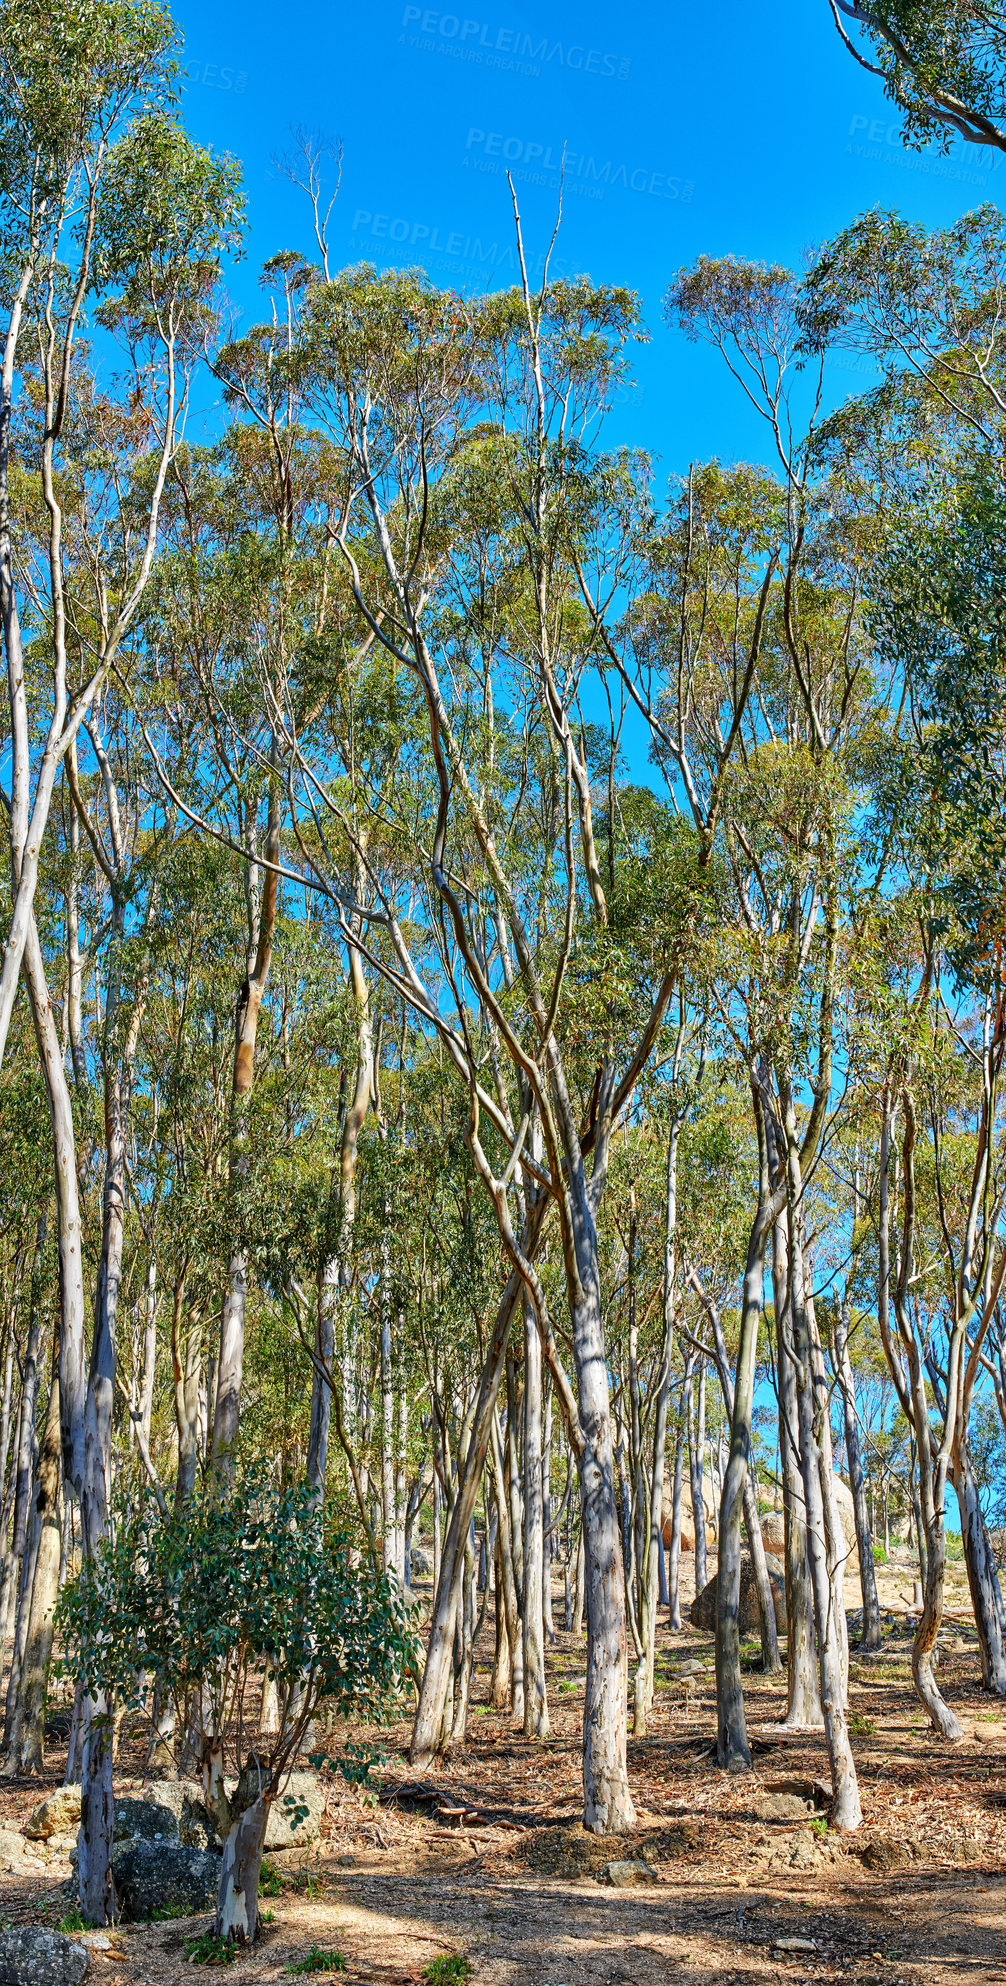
{"x": 687, "y": 131}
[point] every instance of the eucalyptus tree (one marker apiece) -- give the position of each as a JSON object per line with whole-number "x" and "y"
{"x": 942, "y": 62}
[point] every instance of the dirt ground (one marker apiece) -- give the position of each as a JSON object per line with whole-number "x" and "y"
{"x": 485, "y": 1856}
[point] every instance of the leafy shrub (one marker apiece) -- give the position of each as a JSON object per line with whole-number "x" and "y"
{"x": 208, "y": 1949}
{"x": 317, "y": 1960}
{"x": 207, "y": 1594}
{"x": 270, "y": 1882}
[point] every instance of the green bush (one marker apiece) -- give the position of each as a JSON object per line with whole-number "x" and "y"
{"x": 879, "y": 1555}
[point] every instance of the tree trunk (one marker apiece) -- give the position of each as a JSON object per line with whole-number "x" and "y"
{"x": 870, "y": 1637}
{"x": 674, "y": 1552}
{"x": 579, "y": 1585}
{"x": 149, "y": 1351}
{"x": 803, "y": 1698}
{"x": 607, "y": 1802}
{"x": 387, "y": 1400}
{"x": 535, "y": 1700}
{"x": 651, "y": 1566}
{"x": 511, "y": 1608}
{"x": 941, "y": 1716}
{"x": 771, "y": 1661}
{"x": 25, "y": 1723}
{"x": 983, "y": 1577}
{"x": 237, "y": 1898}
{"x": 25, "y": 1445}
{"x": 85, "y": 1427}
{"x": 732, "y": 1749}
{"x": 696, "y": 1443}
{"x": 427, "y": 1730}
{"x": 262, "y": 923}
{"x": 825, "y": 1550}
{"x": 548, "y": 1542}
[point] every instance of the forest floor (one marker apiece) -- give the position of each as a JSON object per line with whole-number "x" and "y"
{"x": 485, "y": 1856}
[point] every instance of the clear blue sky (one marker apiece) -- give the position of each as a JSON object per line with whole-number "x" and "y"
{"x": 688, "y": 130}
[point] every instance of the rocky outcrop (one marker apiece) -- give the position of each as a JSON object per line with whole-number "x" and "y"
{"x": 702, "y": 1612}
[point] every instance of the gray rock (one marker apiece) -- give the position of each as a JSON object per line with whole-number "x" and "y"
{"x": 183, "y": 1799}
{"x": 620, "y": 1874}
{"x": 144, "y": 1820}
{"x": 31, "y": 1956}
{"x": 56, "y": 1815}
{"x": 288, "y": 1825}
{"x": 157, "y": 1878}
{"x": 420, "y": 1563}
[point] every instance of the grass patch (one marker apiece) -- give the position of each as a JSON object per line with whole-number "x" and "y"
{"x": 270, "y": 1882}
{"x": 208, "y": 1949}
{"x": 450, "y": 1969}
{"x": 73, "y": 1921}
{"x": 861, "y": 1727}
{"x": 317, "y": 1960}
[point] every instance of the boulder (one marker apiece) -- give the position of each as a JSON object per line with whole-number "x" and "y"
{"x": 702, "y": 1612}
{"x": 773, "y": 1527}
{"x": 144, "y": 1820}
{"x": 164, "y": 1879}
{"x": 56, "y": 1815}
{"x": 288, "y": 1825}
{"x": 295, "y": 1815}
{"x": 31, "y": 1956}
{"x": 620, "y": 1874}
{"x": 420, "y": 1563}
{"x": 183, "y": 1800}
{"x": 846, "y": 1510}
{"x": 773, "y": 1532}
{"x": 687, "y": 1530}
